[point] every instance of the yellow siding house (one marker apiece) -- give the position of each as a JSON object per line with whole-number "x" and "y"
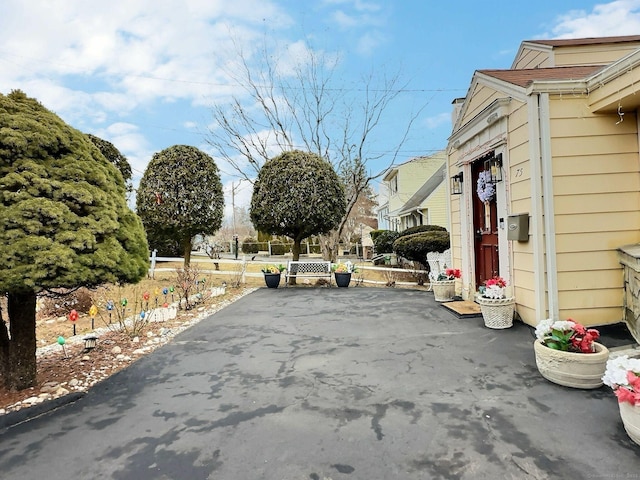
{"x": 416, "y": 193}
{"x": 546, "y": 154}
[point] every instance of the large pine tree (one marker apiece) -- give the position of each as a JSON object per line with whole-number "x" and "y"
{"x": 64, "y": 223}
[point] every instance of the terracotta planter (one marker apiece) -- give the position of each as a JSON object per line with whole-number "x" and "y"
{"x": 497, "y": 313}
{"x": 342, "y": 279}
{"x": 443, "y": 290}
{"x": 272, "y": 280}
{"x": 575, "y": 370}
{"x": 630, "y": 416}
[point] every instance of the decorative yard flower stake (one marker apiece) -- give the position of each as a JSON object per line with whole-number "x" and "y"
{"x": 156, "y": 292}
{"x": 146, "y": 297}
{"x": 110, "y": 306}
{"x": 93, "y": 311}
{"x": 61, "y": 342}
{"x": 73, "y": 317}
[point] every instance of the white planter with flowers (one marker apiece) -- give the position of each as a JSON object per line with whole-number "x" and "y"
{"x": 497, "y": 309}
{"x": 444, "y": 286}
{"x": 622, "y": 374}
{"x": 567, "y": 354}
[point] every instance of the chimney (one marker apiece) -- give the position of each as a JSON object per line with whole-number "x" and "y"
{"x": 457, "y": 106}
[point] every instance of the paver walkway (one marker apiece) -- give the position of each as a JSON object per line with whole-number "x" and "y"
{"x": 356, "y": 383}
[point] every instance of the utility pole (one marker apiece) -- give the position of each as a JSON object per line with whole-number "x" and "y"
{"x": 233, "y": 206}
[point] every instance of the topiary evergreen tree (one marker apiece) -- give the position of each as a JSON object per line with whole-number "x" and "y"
{"x": 180, "y": 196}
{"x": 118, "y": 160}
{"x": 64, "y": 223}
{"x": 415, "y": 247}
{"x": 297, "y": 194}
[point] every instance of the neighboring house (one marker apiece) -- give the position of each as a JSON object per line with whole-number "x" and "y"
{"x": 383, "y": 207}
{"x": 561, "y": 126}
{"x": 417, "y": 193}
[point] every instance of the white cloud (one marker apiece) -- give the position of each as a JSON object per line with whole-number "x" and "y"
{"x": 621, "y": 17}
{"x": 438, "y": 120}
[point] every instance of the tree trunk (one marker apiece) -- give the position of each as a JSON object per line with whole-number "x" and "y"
{"x": 295, "y": 254}
{"x": 186, "y": 245}
{"x": 18, "y": 363}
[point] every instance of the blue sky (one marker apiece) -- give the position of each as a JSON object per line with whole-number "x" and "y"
{"x": 144, "y": 74}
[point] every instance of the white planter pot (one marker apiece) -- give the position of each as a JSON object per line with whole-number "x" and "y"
{"x": 575, "y": 370}
{"x": 444, "y": 290}
{"x": 497, "y": 313}
{"x": 630, "y": 416}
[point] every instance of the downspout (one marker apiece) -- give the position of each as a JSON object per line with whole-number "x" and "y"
{"x": 549, "y": 207}
{"x": 537, "y": 225}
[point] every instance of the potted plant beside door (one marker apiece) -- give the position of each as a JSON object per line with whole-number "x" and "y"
{"x": 567, "y": 354}
{"x": 444, "y": 286}
{"x": 497, "y": 309}
{"x": 622, "y": 374}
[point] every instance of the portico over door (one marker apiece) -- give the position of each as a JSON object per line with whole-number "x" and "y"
{"x": 485, "y": 227}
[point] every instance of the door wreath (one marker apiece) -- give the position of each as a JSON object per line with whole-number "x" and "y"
{"x": 485, "y": 189}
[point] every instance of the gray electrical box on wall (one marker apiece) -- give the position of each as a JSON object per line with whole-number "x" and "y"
{"x": 518, "y": 227}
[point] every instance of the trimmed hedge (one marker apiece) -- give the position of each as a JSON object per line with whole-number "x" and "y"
{"x": 279, "y": 248}
{"x": 416, "y": 246}
{"x": 384, "y": 241}
{"x": 422, "y": 228}
{"x": 250, "y": 245}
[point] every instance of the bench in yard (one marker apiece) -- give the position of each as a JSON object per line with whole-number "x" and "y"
{"x": 296, "y": 269}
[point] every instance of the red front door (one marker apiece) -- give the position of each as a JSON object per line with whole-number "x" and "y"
{"x": 485, "y": 227}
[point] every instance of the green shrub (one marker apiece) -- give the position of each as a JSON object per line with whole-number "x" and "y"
{"x": 422, "y": 228}
{"x": 375, "y": 234}
{"x": 415, "y": 247}
{"x": 250, "y": 245}
{"x": 279, "y": 248}
{"x": 384, "y": 241}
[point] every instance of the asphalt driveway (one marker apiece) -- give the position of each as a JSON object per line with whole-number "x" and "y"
{"x": 318, "y": 383}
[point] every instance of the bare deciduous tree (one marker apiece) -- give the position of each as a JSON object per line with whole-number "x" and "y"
{"x": 296, "y": 103}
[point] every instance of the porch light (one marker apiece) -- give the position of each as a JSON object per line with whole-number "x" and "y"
{"x": 494, "y": 167}
{"x": 456, "y": 184}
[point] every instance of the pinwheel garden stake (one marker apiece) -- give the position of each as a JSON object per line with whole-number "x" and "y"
{"x": 123, "y": 302}
{"x": 61, "y": 342}
{"x": 109, "y": 309}
{"x": 73, "y": 317}
{"x": 93, "y": 311}
{"x": 145, "y": 297}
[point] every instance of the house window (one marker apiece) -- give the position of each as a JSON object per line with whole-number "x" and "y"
{"x": 393, "y": 185}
